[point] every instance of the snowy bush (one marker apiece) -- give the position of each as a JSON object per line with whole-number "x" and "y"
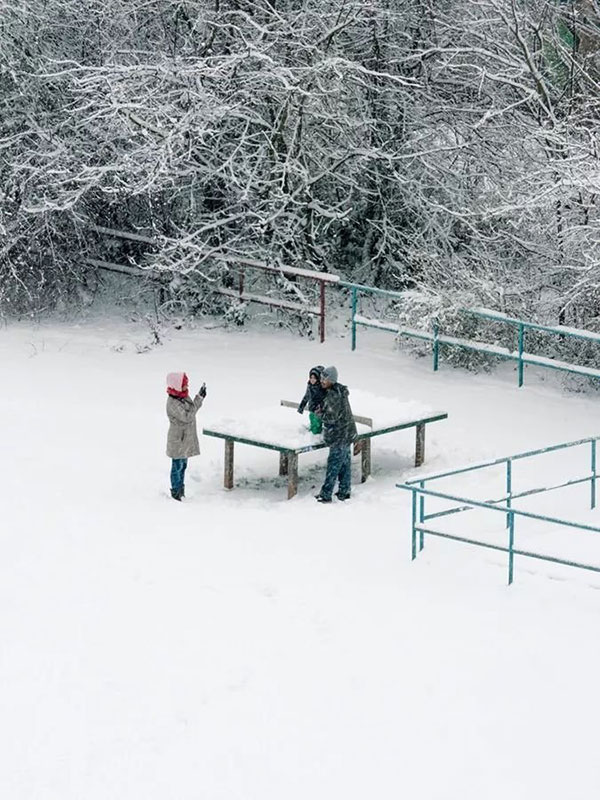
{"x": 236, "y": 313}
{"x": 442, "y": 146}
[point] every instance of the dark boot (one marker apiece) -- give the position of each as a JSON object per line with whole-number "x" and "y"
{"x": 320, "y": 499}
{"x": 342, "y": 495}
{"x": 175, "y": 494}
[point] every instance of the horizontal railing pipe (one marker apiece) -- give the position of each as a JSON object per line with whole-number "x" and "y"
{"x": 503, "y": 509}
{"x": 370, "y": 289}
{"x": 520, "y": 356}
{"x": 561, "y": 330}
{"x": 516, "y": 551}
{"x": 507, "y": 498}
{"x": 494, "y": 462}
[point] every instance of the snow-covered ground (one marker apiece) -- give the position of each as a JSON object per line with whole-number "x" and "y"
{"x": 238, "y": 646}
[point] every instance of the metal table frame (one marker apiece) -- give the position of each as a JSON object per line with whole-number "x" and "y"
{"x": 288, "y": 458}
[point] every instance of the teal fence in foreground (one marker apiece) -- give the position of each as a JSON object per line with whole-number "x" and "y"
{"x": 420, "y": 490}
{"x": 437, "y": 339}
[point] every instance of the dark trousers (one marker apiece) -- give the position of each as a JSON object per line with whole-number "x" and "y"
{"x": 339, "y": 468}
{"x": 178, "y": 467}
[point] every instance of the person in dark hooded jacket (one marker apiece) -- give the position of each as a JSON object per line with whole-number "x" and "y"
{"x": 313, "y": 397}
{"x": 339, "y": 431}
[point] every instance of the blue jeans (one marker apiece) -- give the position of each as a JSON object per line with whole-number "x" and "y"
{"x": 339, "y": 468}
{"x": 178, "y": 467}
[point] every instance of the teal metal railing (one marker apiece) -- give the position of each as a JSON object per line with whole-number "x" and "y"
{"x": 355, "y": 290}
{"x": 504, "y": 504}
{"x": 438, "y": 339}
{"x": 522, "y": 358}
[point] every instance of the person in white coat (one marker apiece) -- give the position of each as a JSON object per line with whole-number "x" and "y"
{"x": 182, "y": 438}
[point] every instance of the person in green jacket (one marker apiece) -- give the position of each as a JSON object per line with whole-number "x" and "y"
{"x": 313, "y": 397}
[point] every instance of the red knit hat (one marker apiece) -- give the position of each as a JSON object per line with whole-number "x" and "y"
{"x": 177, "y": 384}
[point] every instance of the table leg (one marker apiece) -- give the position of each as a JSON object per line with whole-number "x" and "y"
{"x": 420, "y": 445}
{"x": 228, "y": 481}
{"x": 292, "y": 462}
{"x": 283, "y": 463}
{"x": 365, "y": 459}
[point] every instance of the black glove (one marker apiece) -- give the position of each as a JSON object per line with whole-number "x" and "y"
{"x": 202, "y": 391}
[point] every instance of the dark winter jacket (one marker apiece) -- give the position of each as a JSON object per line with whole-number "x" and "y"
{"x": 314, "y": 394}
{"x": 339, "y": 427}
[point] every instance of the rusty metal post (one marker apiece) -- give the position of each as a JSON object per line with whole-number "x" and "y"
{"x": 228, "y": 481}
{"x": 322, "y": 315}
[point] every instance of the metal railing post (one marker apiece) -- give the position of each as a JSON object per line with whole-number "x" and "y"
{"x": 511, "y": 545}
{"x": 521, "y": 338}
{"x": 436, "y": 345}
{"x": 414, "y": 524}
{"x": 354, "y": 294}
{"x": 593, "y": 479}
{"x": 421, "y": 516}
{"x": 322, "y": 312}
{"x": 508, "y": 488}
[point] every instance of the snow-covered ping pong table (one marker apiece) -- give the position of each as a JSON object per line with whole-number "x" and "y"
{"x": 279, "y": 429}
